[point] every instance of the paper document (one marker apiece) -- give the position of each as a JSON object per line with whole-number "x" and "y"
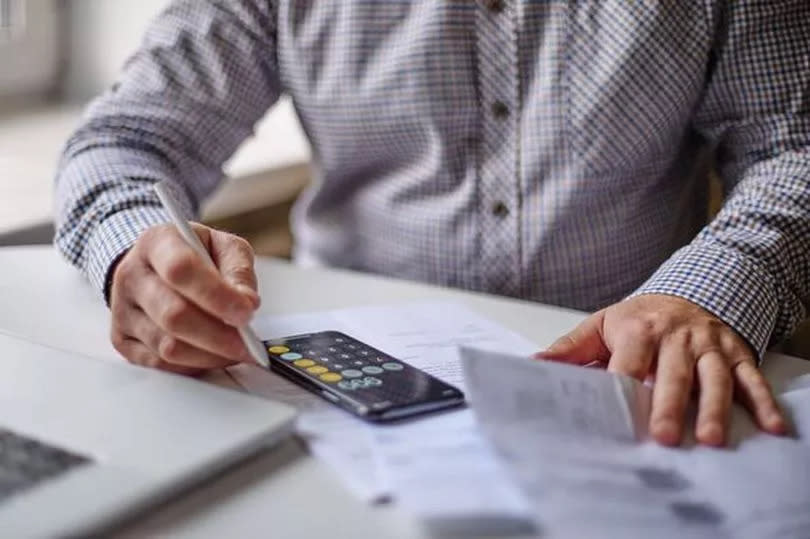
{"x": 369, "y": 458}
{"x": 575, "y": 440}
{"x": 444, "y": 471}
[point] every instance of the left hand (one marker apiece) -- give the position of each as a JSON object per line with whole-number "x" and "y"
{"x": 683, "y": 346}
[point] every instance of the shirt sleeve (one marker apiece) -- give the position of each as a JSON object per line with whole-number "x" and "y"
{"x": 204, "y": 74}
{"x": 751, "y": 265}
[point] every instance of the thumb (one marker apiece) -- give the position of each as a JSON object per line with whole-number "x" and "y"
{"x": 580, "y": 346}
{"x": 234, "y": 258}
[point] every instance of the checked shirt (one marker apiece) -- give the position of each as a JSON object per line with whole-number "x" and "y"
{"x": 550, "y": 150}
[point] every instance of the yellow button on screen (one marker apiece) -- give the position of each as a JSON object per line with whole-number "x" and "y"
{"x": 317, "y": 369}
{"x": 303, "y": 363}
{"x": 331, "y": 377}
{"x": 278, "y": 349}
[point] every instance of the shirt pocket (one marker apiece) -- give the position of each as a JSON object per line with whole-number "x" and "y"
{"x": 634, "y": 74}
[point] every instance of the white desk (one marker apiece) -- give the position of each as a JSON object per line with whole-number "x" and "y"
{"x": 283, "y": 492}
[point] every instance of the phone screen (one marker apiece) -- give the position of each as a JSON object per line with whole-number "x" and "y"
{"x": 358, "y": 377}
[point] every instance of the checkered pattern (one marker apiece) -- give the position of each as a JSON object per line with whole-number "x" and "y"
{"x": 551, "y": 150}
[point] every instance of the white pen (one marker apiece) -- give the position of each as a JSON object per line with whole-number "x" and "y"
{"x": 252, "y": 342}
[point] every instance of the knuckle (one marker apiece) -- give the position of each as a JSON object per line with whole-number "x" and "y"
{"x": 180, "y": 268}
{"x": 168, "y": 348}
{"x": 635, "y": 370}
{"x": 717, "y": 373}
{"x": 681, "y": 338}
{"x": 742, "y": 355}
{"x": 241, "y": 244}
{"x": 242, "y": 273}
{"x": 738, "y": 349}
{"x": 704, "y": 341}
{"x": 715, "y": 325}
{"x": 642, "y": 328}
{"x": 124, "y": 267}
{"x": 118, "y": 341}
{"x": 656, "y": 319}
{"x": 172, "y": 315}
{"x": 151, "y": 235}
{"x": 153, "y": 362}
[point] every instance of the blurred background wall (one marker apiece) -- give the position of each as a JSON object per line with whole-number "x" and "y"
{"x": 30, "y": 42}
{"x": 55, "y": 55}
{"x": 102, "y": 35}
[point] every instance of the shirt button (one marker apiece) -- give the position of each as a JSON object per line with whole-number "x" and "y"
{"x": 499, "y": 209}
{"x": 499, "y": 109}
{"x": 495, "y": 6}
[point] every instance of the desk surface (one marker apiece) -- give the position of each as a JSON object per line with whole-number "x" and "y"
{"x": 283, "y": 491}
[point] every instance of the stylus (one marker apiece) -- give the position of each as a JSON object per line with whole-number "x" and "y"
{"x": 252, "y": 342}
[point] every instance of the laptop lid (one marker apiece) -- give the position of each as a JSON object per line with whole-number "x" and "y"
{"x": 128, "y": 436}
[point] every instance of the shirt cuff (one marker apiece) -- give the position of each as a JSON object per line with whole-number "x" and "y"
{"x": 113, "y": 237}
{"x": 725, "y": 283}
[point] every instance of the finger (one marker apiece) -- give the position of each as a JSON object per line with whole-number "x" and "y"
{"x": 138, "y": 353}
{"x": 581, "y": 345}
{"x": 714, "y": 406}
{"x": 673, "y": 383}
{"x": 171, "y": 349}
{"x": 168, "y": 313}
{"x": 179, "y": 353}
{"x": 234, "y": 258}
{"x": 633, "y": 355}
{"x": 756, "y": 394}
{"x": 190, "y": 275}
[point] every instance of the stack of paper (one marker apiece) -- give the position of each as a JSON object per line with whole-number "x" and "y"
{"x": 575, "y": 440}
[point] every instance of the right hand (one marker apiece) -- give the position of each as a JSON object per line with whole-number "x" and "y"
{"x": 173, "y": 311}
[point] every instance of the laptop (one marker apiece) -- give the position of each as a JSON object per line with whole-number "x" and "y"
{"x": 85, "y": 443}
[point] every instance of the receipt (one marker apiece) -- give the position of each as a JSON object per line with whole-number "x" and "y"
{"x": 444, "y": 471}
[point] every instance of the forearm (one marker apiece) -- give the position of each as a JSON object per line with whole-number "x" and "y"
{"x": 202, "y": 77}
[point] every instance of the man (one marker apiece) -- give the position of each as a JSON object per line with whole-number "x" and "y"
{"x": 549, "y": 150}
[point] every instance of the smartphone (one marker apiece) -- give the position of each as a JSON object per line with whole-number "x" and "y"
{"x": 359, "y": 378}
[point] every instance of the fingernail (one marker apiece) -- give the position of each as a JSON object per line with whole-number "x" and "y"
{"x": 665, "y": 431}
{"x": 776, "y": 422}
{"x": 552, "y": 350}
{"x": 248, "y": 292}
{"x": 711, "y": 434}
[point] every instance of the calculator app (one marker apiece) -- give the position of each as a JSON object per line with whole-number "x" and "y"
{"x": 360, "y": 372}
